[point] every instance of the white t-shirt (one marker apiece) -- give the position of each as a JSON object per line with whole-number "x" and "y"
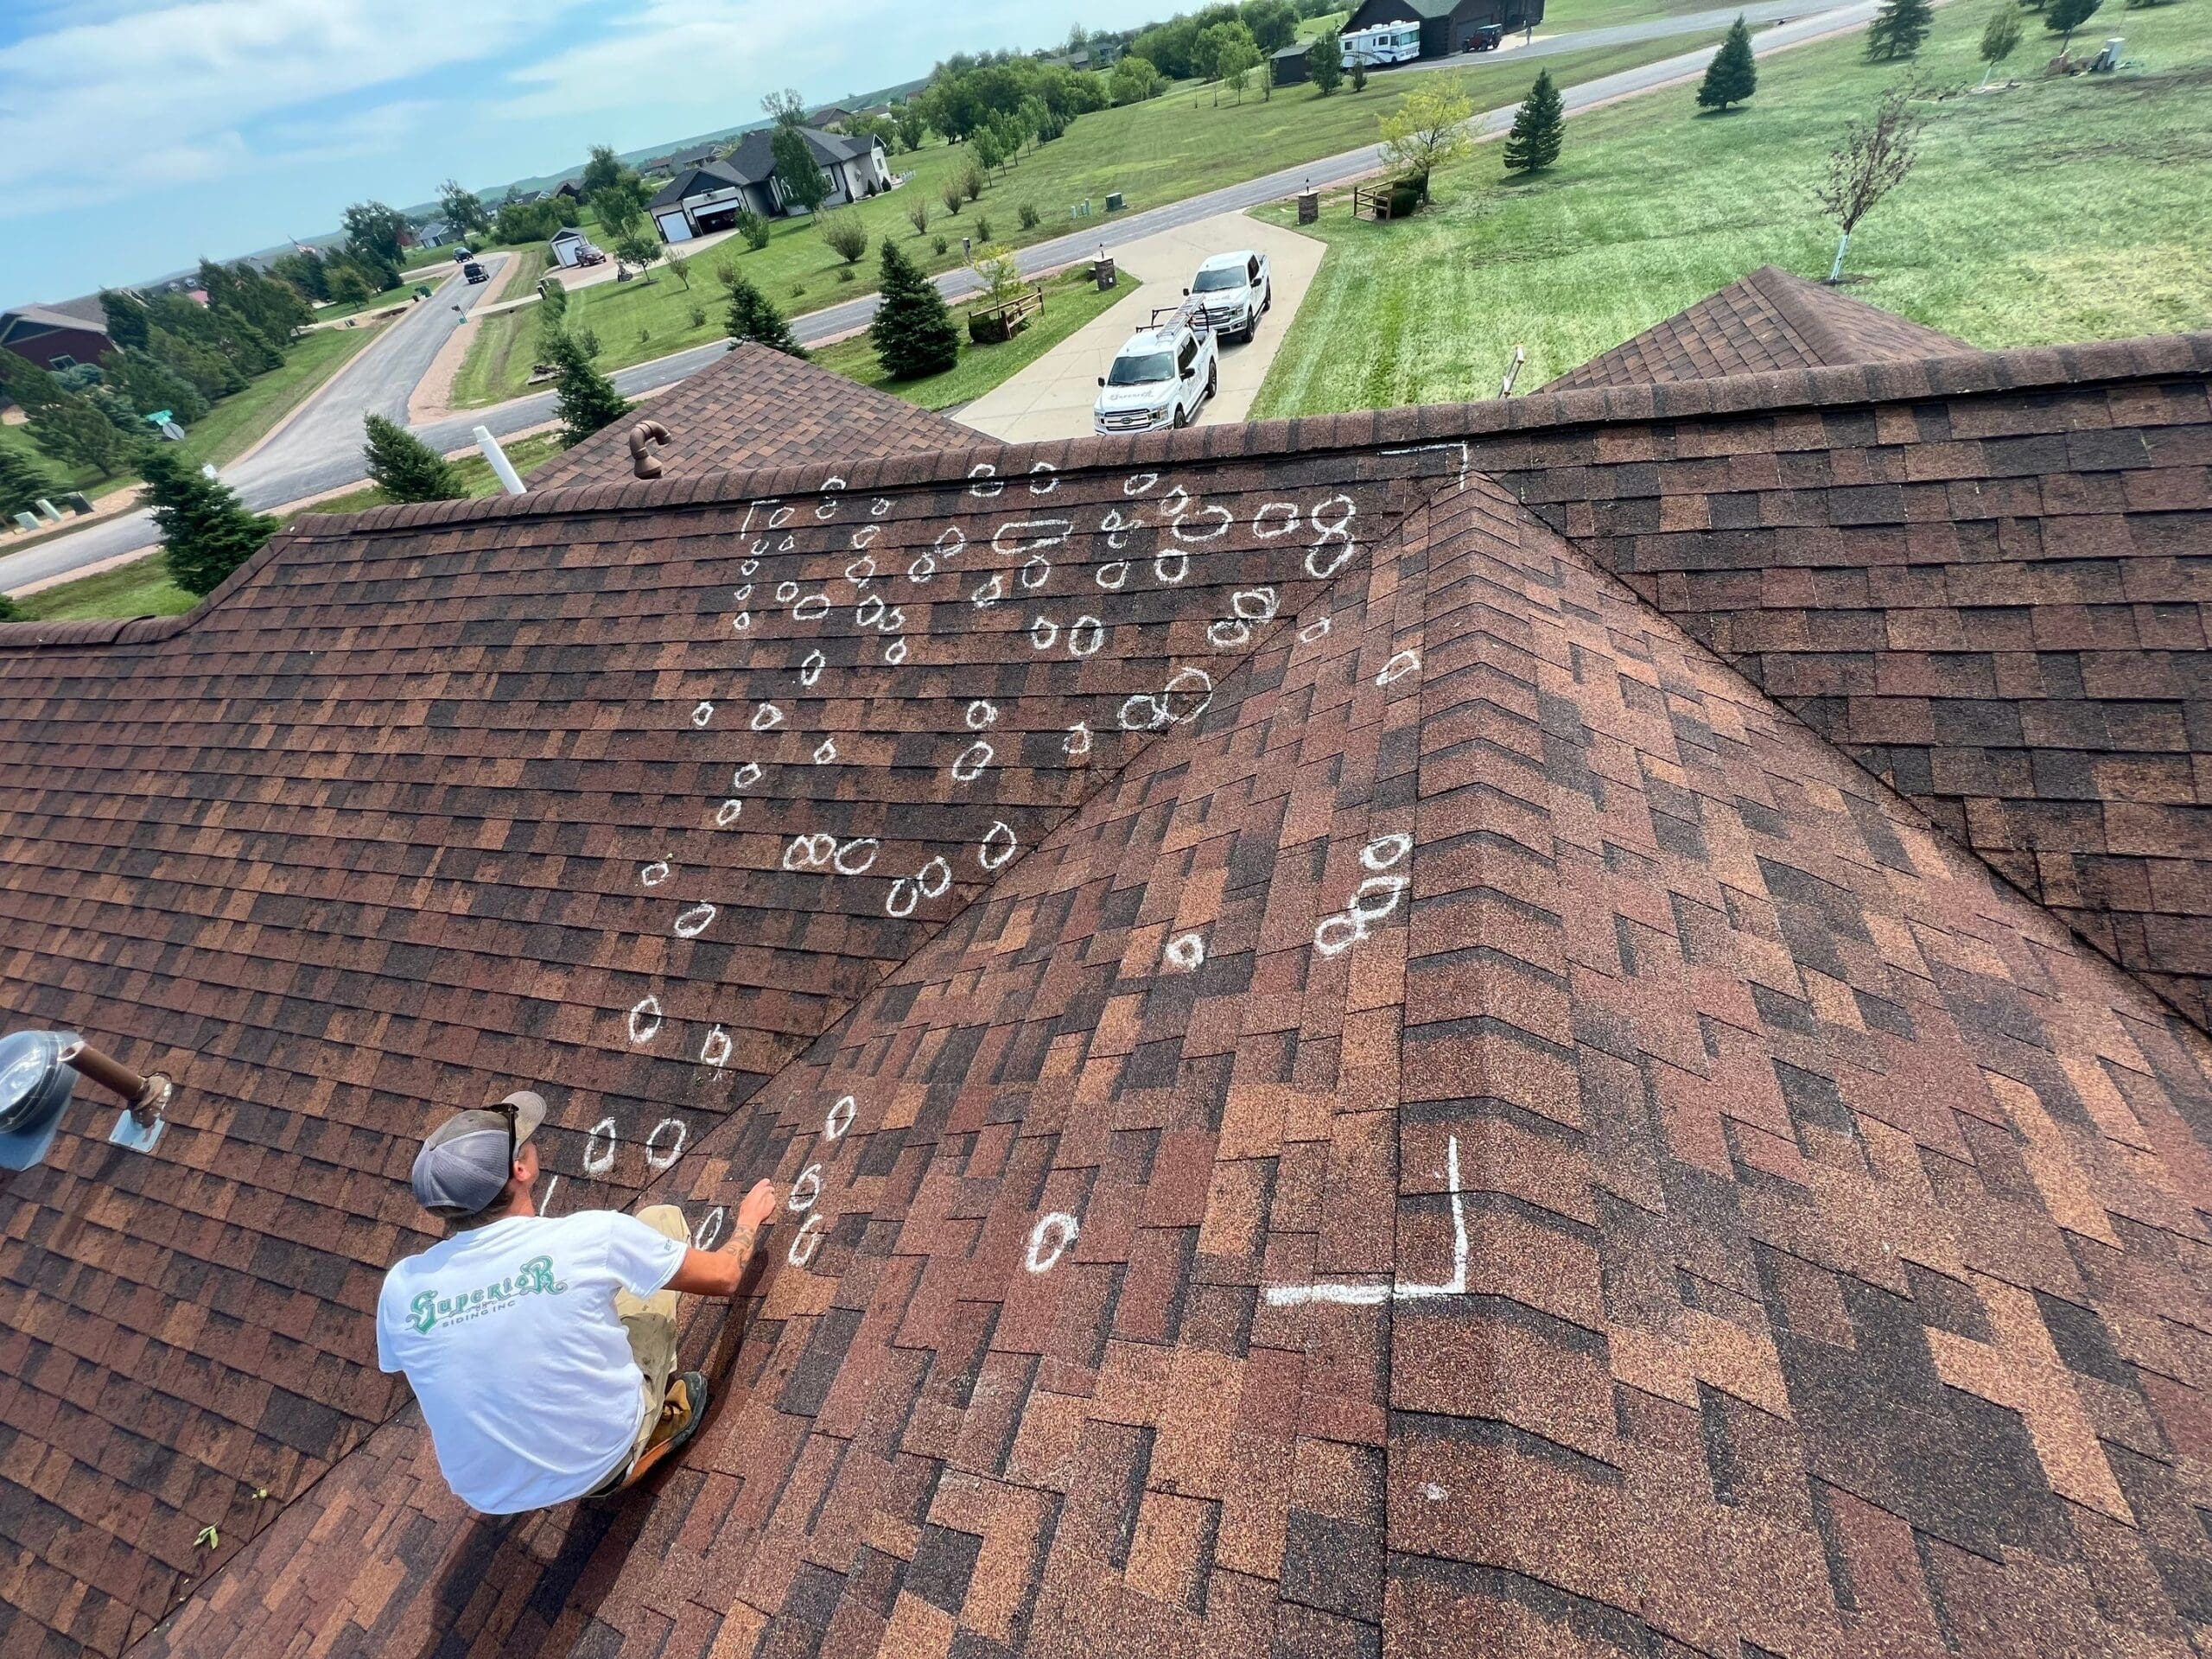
{"x": 509, "y": 1337}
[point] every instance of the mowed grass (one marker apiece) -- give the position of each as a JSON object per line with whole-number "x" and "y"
{"x": 1070, "y": 301}
{"x": 2057, "y": 211}
{"x": 1179, "y": 145}
{"x": 142, "y": 586}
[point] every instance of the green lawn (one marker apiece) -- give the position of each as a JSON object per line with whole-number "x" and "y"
{"x": 142, "y": 587}
{"x": 1178, "y": 145}
{"x": 2061, "y": 210}
{"x": 241, "y": 420}
{"x": 1070, "y": 301}
{"x": 1313, "y": 27}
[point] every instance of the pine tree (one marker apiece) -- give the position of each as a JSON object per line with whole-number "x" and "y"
{"x": 1732, "y": 76}
{"x": 403, "y": 466}
{"x": 753, "y": 316}
{"x": 205, "y": 530}
{"x": 151, "y": 386}
{"x": 1540, "y": 125}
{"x": 912, "y": 330}
{"x": 586, "y": 399}
{"x": 22, "y": 483}
{"x": 1899, "y": 28}
{"x": 9, "y": 611}
{"x": 77, "y": 434}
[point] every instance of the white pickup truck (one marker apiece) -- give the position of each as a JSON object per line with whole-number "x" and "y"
{"x": 1235, "y": 290}
{"x": 1161, "y": 377}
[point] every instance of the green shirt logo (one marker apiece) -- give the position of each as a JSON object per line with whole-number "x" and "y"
{"x": 534, "y": 1278}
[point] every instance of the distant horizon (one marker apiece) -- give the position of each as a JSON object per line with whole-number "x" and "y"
{"x": 253, "y": 122}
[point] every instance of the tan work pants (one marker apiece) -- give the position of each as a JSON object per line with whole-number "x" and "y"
{"x": 651, "y": 1323}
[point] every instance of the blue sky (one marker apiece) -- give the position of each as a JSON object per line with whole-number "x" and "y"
{"x": 135, "y": 137}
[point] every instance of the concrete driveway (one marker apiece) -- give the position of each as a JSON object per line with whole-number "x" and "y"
{"x": 1052, "y": 398}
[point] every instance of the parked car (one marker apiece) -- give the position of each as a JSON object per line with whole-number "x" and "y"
{"x": 591, "y": 253}
{"x": 1234, "y": 291}
{"x": 475, "y": 273}
{"x": 1161, "y": 377}
{"x": 462, "y": 255}
{"x": 1486, "y": 39}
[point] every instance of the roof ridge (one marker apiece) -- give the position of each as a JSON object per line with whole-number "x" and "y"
{"x": 1809, "y": 307}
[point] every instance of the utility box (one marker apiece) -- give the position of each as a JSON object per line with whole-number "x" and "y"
{"x": 1103, "y": 270}
{"x": 2107, "y": 59}
{"x": 1309, "y": 207}
{"x": 1113, "y": 201}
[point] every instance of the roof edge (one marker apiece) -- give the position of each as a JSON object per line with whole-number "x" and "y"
{"x": 1970, "y": 373}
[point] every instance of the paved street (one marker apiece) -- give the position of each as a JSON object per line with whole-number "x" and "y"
{"x": 320, "y": 450}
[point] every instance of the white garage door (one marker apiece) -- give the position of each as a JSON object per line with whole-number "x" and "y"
{"x": 673, "y": 227}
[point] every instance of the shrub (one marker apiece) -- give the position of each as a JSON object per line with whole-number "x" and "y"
{"x": 844, "y": 273}
{"x": 982, "y": 228}
{"x": 698, "y": 316}
{"x": 942, "y": 247}
{"x": 1029, "y": 215}
{"x": 403, "y": 466}
{"x": 912, "y": 330}
{"x": 918, "y": 212}
{"x": 846, "y": 235}
{"x": 973, "y": 181}
{"x": 951, "y": 195}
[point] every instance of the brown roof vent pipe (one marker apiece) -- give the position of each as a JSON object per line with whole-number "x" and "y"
{"x": 145, "y": 1096}
{"x": 643, "y": 435}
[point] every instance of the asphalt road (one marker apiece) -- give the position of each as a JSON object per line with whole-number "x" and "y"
{"x": 322, "y": 449}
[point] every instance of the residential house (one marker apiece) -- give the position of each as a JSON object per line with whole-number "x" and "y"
{"x": 435, "y": 234}
{"x": 58, "y": 336}
{"x": 834, "y": 118}
{"x": 1447, "y": 26}
{"x": 571, "y": 247}
{"x": 703, "y": 199}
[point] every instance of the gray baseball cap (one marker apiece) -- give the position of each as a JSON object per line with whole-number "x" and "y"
{"x": 463, "y": 1165}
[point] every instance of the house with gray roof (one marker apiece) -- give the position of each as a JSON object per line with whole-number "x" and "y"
{"x": 703, "y": 199}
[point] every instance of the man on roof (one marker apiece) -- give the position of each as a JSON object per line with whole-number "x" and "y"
{"x": 543, "y": 1349}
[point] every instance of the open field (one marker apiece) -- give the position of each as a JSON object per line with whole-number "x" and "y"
{"x": 2059, "y": 210}
{"x": 142, "y": 587}
{"x": 1176, "y": 146}
{"x": 1070, "y": 301}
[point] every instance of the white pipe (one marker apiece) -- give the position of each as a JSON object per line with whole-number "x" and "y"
{"x": 1835, "y": 272}
{"x": 510, "y": 480}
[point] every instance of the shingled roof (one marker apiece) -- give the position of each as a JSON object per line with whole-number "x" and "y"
{"x": 752, "y": 407}
{"x": 1346, "y": 1082}
{"x": 1769, "y": 320}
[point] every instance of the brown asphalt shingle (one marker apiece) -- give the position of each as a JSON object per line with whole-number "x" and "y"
{"x": 750, "y": 408}
{"x": 1833, "y": 1218}
{"x": 1769, "y": 320}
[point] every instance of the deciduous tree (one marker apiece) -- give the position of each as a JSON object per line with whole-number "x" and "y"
{"x": 462, "y": 208}
{"x": 786, "y": 108}
{"x": 206, "y": 533}
{"x": 1733, "y": 75}
{"x": 912, "y": 330}
{"x": 372, "y": 233}
{"x": 1239, "y": 59}
{"x": 1324, "y": 62}
{"x": 403, "y": 466}
{"x": 2001, "y": 37}
{"x": 797, "y": 175}
{"x": 1539, "y": 128}
{"x": 1872, "y": 160}
{"x": 1429, "y": 130}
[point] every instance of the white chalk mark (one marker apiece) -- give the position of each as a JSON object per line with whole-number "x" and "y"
{"x": 825, "y": 752}
{"x": 970, "y": 766}
{"x": 743, "y": 594}
{"x": 1193, "y": 537}
{"x": 654, "y": 1156}
{"x": 840, "y": 1117}
{"x": 895, "y": 652}
{"x": 745, "y": 776}
{"x": 922, "y": 569}
{"x": 933, "y": 878}
{"x": 820, "y": 604}
{"x": 709, "y": 1233}
{"x": 747, "y": 568}
{"x": 741, "y": 623}
{"x": 1111, "y": 576}
{"x": 1186, "y": 952}
{"x": 1405, "y": 663}
{"x": 695, "y": 921}
{"x": 878, "y": 507}
{"x": 993, "y": 484}
{"x": 1336, "y": 534}
{"x": 988, "y": 593}
{"x": 999, "y": 845}
{"x": 645, "y": 1021}
{"x": 1049, "y": 485}
{"x": 702, "y": 715}
{"x": 654, "y": 873}
{"x": 806, "y": 1191}
{"x": 810, "y": 669}
{"x": 717, "y": 1049}
{"x": 1077, "y": 741}
{"x": 1371, "y": 1293}
{"x": 1427, "y": 448}
{"x": 805, "y": 1241}
{"x": 1386, "y": 852}
{"x": 545, "y": 1205}
{"x": 1049, "y": 1240}
{"x": 981, "y": 714}
{"x": 767, "y": 717}
{"x": 869, "y": 611}
{"x": 1085, "y": 635}
{"x": 810, "y": 852}
{"x": 862, "y": 571}
{"x": 1043, "y": 633}
{"x": 728, "y": 813}
{"x": 850, "y": 860}
{"x": 1139, "y": 483}
{"x": 1317, "y": 629}
{"x": 1170, "y": 569}
{"x": 781, "y": 517}
{"x": 598, "y": 1162}
{"x": 1262, "y": 518}
{"x": 1030, "y": 535}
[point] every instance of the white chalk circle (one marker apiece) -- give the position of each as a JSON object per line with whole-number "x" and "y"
{"x": 895, "y": 652}
{"x": 862, "y": 571}
{"x": 717, "y": 1049}
{"x": 988, "y": 594}
{"x": 780, "y": 516}
{"x": 1036, "y": 572}
{"x": 922, "y": 569}
{"x": 1275, "y": 521}
{"x": 654, "y": 873}
{"x": 1043, "y": 633}
{"x": 741, "y": 623}
{"x": 1170, "y": 569}
{"x": 702, "y": 715}
{"x": 747, "y": 568}
{"x": 1137, "y": 483}
{"x": 767, "y": 717}
{"x": 1049, "y": 1240}
{"x": 981, "y": 714}
{"x": 999, "y": 845}
{"x": 1085, "y": 635}
{"x": 745, "y": 776}
{"x": 825, "y": 752}
{"x": 820, "y": 604}
{"x": 1077, "y": 741}
{"x": 988, "y": 483}
{"x": 656, "y": 1154}
{"x": 1111, "y": 576}
{"x": 1317, "y": 629}
{"x": 1049, "y": 485}
{"x": 645, "y": 1021}
{"x": 840, "y": 1117}
{"x": 695, "y": 921}
{"x": 810, "y": 669}
{"x": 1186, "y": 952}
{"x": 933, "y": 878}
{"x": 970, "y": 766}
{"x": 1385, "y": 852}
{"x": 1220, "y": 530}
{"x": 878, "y": 507}
{"x": 728, "y": 813}
{"x": 855, "y": 857}
{"x": 786, "y": 592}
{"x": 599, "y": 1148}
{"x": 709, "y": 1232}
{"x": 1405, "y": 663}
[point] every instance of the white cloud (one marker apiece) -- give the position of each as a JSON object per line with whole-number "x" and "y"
{"x": 173, "y": 92}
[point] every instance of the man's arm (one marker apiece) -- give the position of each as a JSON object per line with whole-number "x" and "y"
{"x": 717, "y": 1272}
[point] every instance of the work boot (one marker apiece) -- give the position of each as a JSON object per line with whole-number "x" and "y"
{"x": 682, "y": 1410}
